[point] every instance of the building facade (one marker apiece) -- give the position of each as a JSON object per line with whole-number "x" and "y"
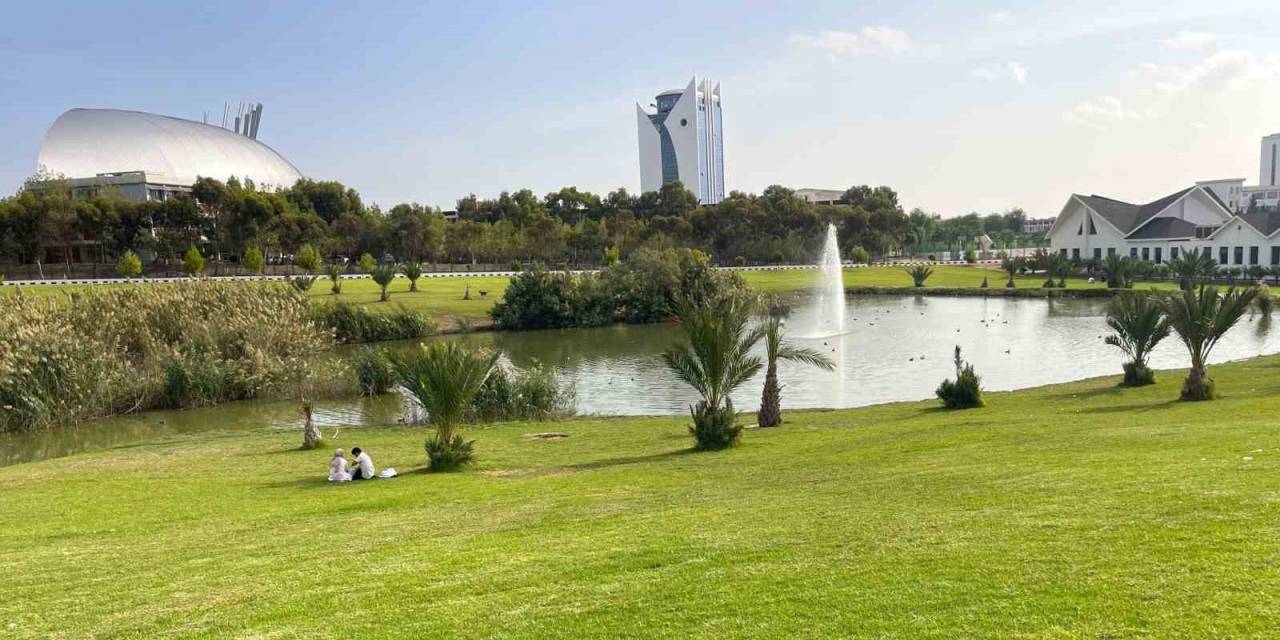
{"x": 1235, "y": 224}
{"x": 683, "y": 139}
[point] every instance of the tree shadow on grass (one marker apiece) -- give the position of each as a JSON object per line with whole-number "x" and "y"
{"x": 628, "y": 460}
{"x": 1097, "y": 392}
{"x": 1137, "y": 407}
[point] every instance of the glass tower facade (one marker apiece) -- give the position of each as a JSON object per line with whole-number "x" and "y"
{"x": 684, "y": 140}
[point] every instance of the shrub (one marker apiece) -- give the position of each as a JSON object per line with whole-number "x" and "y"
{"x": 351, "y": 324}
{"x": 516, "y": 266}
{"x": 193, "y": 262}
{"x": 932, "y": 258}
{"x": 536, "y": 299}
{"x": 532, "y": 394}
{"x": 367, "y": 263}
{"x": 611, "y": 256}
{"x": 859, "y": 255}
{"x": 966, "y": 391}
{"x": 740, "y": 261}
{"x": 970, "y": 255}
{"x": 1264, "y": 301}
{"x": 252, "y": 260}
{"x": 374, "y": 373}
{"x": 308, "y": 259}
{"x": 302, "y": 283}
{"x": 129, "y": 265}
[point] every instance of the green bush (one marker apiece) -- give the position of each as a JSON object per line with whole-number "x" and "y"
{"x": 611, "y": 256}
{"x": 449, "y": 453}
{"x": 740, "y": 261}
{"x": 859, "y": 255}
{"x": 516, "y": 266}
{"x": 351, "y": 324}
{"x": 129, "y": 266}
{"x": 308, "y": 259}
{"x": 193, "y": 262}
{"x": 302, "y": 283}
{"x": 966, "y": 391}
{"x": 367, "y": 263}
{"x": 970, "y": 255}
{"x": 374, "y": 373}
{"x": 714, "y": 428}
{"x": 252, "y": 260}
{"x": 532, "y": 394}
{"x": 537, "y": 299}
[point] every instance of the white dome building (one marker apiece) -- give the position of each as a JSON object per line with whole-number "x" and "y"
{"x": 151, "y": 157}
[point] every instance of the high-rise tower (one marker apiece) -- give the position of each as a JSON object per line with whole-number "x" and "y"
{"x": 683, "y": 140}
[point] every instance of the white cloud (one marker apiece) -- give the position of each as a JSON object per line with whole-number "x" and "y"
{"x": 1099, "y": 113}
{"x": 1228, "y": 69}
{"x": 1190, "y": 40}
{"x": 1000, "y": 19}
{"x": 874, "y": 39}
{"x": 1015, "y": 71}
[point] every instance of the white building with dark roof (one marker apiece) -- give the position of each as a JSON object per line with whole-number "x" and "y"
{"x": 1236, "y": 225}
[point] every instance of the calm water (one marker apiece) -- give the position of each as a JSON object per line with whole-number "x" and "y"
{"x": 895, "y": 348}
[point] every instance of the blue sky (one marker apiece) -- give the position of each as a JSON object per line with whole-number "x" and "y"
{"x": 976, "y": 107}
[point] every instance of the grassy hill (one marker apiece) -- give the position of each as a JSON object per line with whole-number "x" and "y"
{"x": 1071, "y": 511}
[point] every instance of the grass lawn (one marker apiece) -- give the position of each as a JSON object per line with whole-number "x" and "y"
{"x": 1071, "y": 511}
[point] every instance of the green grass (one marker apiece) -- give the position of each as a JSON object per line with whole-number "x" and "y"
{"x": 1071, "y": 511}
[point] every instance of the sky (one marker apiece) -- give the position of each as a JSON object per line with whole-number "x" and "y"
{"x": 960, "y": 107}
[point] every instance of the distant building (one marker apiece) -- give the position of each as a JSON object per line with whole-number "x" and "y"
{"x": 153, "y": 157}
{"x": 683, "y": 139}
{"x": 821, "y": 196}
{"x": 1037, "y": 225}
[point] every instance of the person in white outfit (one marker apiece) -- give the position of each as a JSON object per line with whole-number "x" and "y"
{"x": 363, "y": 466}
{"x": 338, "y": 471}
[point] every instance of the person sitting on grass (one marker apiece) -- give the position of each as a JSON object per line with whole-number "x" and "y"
{"x": 364, "y": 465}
{"x": 338, "y": 471}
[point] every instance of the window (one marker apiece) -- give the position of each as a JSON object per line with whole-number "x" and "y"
{"x": 1111, "y": 251}
{"x": 1146, "y": 253}
{"x": 1206, "y": 252}
{"x": 1239, "y": 255}
{"x": 1062, "y": 252}
{"x": 1222, "y": 255}
{"x": 1097, "y": 253}
{"x": 1275, "y": 255}
{"x": 1080, "y": 231}
{"x": 1093, "y": 231}
{"x": 1253, "y": 255}
{"x": 1075, "y": 254}
{"x": 1158, "y": 251}
{"x": 1133, "y": 252}
{"x": 1173, "y": 253}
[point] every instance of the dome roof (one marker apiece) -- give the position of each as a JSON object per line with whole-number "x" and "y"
{"x": 83, "y": 143}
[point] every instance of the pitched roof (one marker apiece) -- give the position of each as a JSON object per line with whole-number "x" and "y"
{"x": 1128, "y": 217}
{"x": 1266, "y": 222}
{"x": 1164, "y": 228}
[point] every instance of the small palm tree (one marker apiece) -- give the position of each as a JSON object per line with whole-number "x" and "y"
{"x": 445, "y": 377}
{"x": 1062, "y": 268}
{"x": 1201, "y": 317}
{"x": 919, "y": 274}
{"x": 412, "y": 270}
{"x": 1140, "y": 324}
{"x": 334, "y": 273}
{"x": 715, "y": 358}
{"x": 1117, "y": 270}
{"x": 770, "y": 414}
{"x": 1192, "y": 268}
{"x": 383, "y": 275}
{"x": 1274, "y": 272}
{"x": 1010, "y": 266}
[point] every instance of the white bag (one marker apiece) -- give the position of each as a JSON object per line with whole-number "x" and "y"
{"x": 389, "y": 472}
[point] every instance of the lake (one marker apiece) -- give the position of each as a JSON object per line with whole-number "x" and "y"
{"x": 894, "y": 348}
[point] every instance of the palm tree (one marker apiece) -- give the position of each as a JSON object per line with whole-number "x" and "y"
{"x": 715, "y": 358}
{"x": 1118, "y": 271}
{"x": 1274, "y": 272}
{"x": 919, "y": 274}
{"x": 383, "y": 275}
{"x": 412, "y": 270}
{"x": 1191, "y": 268}
{"x": 1010, "y": 266}
{"x": 1045, "y": 261}
{"x": 1061, "y": 267}
{"x": 334, "y": 273}
{"x": 1140, "y": 324}
{"x": 445, "y": 377}
{"x": 1201, "y": 317}
{"x": 770, "y": 414}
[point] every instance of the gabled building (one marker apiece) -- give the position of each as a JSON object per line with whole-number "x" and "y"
{"x": 1095, "y": 226}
